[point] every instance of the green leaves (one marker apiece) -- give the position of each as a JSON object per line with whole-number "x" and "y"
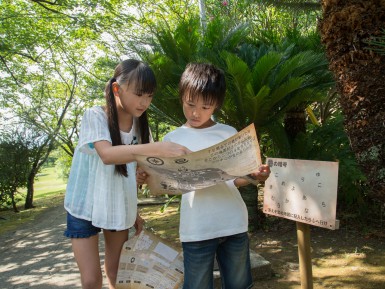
{"x": 276, "y": 83}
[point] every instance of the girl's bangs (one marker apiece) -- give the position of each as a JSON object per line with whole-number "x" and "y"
{"x": 144, "y": 79}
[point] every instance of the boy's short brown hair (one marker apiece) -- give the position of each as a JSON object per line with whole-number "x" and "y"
{"x": 203, "y": 80}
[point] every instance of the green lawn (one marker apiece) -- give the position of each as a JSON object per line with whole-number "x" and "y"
{"x": 49, "y": 192}
{"x": 48, "y": 184}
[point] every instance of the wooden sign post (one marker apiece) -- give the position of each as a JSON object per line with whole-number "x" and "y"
{"x": 304, "y": 255}
{"x": 306, "y": 192}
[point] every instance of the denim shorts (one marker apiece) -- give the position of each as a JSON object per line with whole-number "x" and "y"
{"x": 79, "y": 228}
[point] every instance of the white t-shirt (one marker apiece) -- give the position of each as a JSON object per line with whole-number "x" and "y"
{"x": 216, "y": 211}
{"x": 94, "y": 191}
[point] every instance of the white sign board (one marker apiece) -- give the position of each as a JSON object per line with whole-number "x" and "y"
{"x": 303, "y": 191}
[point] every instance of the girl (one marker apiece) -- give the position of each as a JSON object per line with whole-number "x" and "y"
{"x": 101, "y": 190}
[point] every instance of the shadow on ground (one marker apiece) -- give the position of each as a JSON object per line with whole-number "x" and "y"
{"x": 38, "y": 256}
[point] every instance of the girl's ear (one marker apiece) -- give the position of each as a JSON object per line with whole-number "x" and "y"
{"x": 115, "y": 88}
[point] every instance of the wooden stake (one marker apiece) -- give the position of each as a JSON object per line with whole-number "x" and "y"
{"x": 305, "y": 266}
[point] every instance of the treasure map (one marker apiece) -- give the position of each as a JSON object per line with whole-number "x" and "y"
{"x": 149, "y": 262}
{"x": 237, "y": 156}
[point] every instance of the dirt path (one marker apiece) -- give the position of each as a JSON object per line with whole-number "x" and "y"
{"x": 38, "y": 256}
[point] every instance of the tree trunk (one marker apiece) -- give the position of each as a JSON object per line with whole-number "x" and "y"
{"x": 15, "y": 209}
{"x": 30, "y": 190}
{"x": 295, "y": 122}
{"x": 346, "y": 27}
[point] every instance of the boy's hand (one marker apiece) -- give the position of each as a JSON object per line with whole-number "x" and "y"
{"x": 141, "y": 176}
{"x": 262, "y": 174}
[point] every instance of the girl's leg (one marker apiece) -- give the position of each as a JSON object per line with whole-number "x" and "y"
{"x": 86, "y": 251}
{"x": 198, "y": 259}
{"x": 114, "y": 241}
{"x": 234, "y": 262}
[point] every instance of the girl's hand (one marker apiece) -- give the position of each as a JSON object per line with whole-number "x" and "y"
{"x": 139, "y": 222}
{"x": 170, "y": 149}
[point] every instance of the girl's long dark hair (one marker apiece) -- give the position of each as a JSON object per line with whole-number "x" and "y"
{"x": 135, "y": 72}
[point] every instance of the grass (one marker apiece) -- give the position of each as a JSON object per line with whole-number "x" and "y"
{"x": 49, "y": 192}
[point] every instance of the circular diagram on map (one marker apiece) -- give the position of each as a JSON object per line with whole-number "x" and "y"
{"x": 155, "y": 161}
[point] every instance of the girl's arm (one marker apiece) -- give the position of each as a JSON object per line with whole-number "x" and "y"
{"x": 139, "y": 222}
{"x": 123, "y": 154}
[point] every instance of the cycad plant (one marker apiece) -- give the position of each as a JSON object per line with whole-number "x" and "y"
{"x": 262, "y": 82}
{"x": 275, "y": 84}
{"x": 172, "y": 50}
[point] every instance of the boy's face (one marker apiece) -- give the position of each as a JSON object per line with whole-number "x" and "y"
{"x": 198, "y": 113}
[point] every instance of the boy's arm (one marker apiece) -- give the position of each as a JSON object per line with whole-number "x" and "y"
{"x": 261, "y": 175}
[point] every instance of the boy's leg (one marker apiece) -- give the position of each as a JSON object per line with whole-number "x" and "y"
{"x": 234, "y": 262}
{"x": 199, "y": 264}
{"x": 114, "y": 241}
{"x": 86, "y": 251}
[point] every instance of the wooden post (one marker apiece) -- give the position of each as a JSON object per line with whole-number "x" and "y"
{"x": 305, "y": 266}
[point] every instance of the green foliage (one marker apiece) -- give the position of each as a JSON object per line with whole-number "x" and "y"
{"x": 172, "y": 199}
{"x": 277, "y": 82}
{"x": 63, "y": 163}
{"x": 15, "y": 151}
{"x": 57, "y": 56}
{"x": 274, "y": 79}
{"x": 377, "y": 44}
{"x": 330, "y": 143}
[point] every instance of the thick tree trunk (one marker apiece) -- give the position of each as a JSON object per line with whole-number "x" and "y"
{"x": 346, "y": 27}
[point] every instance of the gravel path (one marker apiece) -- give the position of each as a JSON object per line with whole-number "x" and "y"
{"x": 39, "y": 256}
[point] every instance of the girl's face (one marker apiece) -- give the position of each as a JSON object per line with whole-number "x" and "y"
{"x": 129, "y": 101}
{"x": 198, "y": 113}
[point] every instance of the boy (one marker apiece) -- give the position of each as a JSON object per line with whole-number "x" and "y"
{"x": 214, "y": 220}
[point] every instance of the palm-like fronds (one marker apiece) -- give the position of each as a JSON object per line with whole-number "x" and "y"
{"x": 172, "y": 50}
{"x": 276, "y": 83}
{"x": 377, "y": 44}
{"x": 304, "y": 5}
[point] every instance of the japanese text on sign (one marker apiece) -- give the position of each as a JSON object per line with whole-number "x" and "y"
{"x": 303, "y": 191}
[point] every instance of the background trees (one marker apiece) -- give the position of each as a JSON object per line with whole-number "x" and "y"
{"x": 15, "y": 148}
{"x": 46, "y": 54}
{"x": 56, "y": 57}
